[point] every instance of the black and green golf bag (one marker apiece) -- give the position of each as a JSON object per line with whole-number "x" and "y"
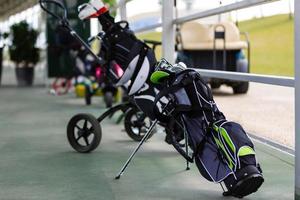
{"x": 222, "y": 150}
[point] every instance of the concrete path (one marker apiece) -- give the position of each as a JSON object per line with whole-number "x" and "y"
{"x": 266, "y": 111}
{"x": 37, "y": 162}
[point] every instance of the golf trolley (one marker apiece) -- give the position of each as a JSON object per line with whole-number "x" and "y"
{"x": 174, "y": 97}
{"x": 84, "y": 130}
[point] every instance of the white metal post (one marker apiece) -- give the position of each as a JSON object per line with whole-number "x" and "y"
{"x": 297, "y": 99}
{"x": 168, "y": 33}
{"x": 290, "y": 9}
{"x": 123, "y": 10}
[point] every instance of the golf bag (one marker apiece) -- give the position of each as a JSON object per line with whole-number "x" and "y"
{"x": 135, "y": 58}
{"x": 222, "y": 150}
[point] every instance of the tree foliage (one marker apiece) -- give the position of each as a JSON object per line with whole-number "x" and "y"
{"x": 111, "y": 3}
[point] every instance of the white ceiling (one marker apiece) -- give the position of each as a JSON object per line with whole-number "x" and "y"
{"x": 10, "y": 7}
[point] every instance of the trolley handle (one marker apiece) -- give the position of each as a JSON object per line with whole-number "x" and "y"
{"x": 154, "y": 43}
{"x": 64, "y": 21}
{"x": 57, "y": 3}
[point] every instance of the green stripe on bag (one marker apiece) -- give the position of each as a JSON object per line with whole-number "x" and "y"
{"x": 245, "y": 151}
{"x": 221, "y": 146}
{"x": 227, "y": 139}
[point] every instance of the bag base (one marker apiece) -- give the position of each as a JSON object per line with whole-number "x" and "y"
{"x": 246, "y": 181}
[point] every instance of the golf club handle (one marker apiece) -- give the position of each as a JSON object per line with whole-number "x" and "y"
{"x": 136, "y": 150}
{"x": 86, "y": 46}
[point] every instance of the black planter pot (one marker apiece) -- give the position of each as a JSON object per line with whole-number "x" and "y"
{"x": 24, "y": 76}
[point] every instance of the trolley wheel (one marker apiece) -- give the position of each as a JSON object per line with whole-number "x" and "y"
{"x": 88, "y": 96}
{"x": 215, "y": 85}
{"x": 84, "y": 133}
{"x": 241, "y": 88}
{"x": 137, "y": 124}
{"x": 108, "y": 99}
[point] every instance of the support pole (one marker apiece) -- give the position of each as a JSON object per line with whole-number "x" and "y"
{"x": 168, "y": 34}
{"x": 297, "y": 99}
{"x": 123, "y": 10}
{"x": 290, "y": 10}
{"x": 137, "y": 148}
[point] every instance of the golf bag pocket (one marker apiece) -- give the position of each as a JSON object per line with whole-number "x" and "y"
{"x": 125, "y": 51}
{"x": 236, "y": 147}
{"x": 182, "y": 100}
{"x": 206, "y": 153}
{"x": 237, "y": 151}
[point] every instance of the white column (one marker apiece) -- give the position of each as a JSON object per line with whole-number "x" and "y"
{"x": 168, "y": 34}
{"x": 123, "y": 10}
{"x": 297, "y": 99}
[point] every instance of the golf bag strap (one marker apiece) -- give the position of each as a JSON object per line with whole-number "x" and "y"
{"x": 143, "y": 53}
{"x": 191, "y": 76}
{"x": 199, "y": 78}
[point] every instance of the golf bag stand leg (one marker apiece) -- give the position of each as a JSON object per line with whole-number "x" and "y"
{"x": 136, "y": 150}
{"x": 186, "y": 146}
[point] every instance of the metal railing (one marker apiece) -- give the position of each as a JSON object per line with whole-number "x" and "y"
{"x": 238, "y": 76}
{"x": 168, "y": 23}
{"x": 222, "y": 9}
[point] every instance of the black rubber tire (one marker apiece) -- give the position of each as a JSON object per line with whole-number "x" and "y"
{"x": 88, "y": 96}
{"x": 241, "y": 88}
{"x": 214, "y": 85}
{"x": 108, "y": 99}
{"x": 85, "y": 131}
{"x": 128, "y": 124}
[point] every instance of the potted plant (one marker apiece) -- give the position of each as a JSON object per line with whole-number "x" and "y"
{"x": 23, "y": 52}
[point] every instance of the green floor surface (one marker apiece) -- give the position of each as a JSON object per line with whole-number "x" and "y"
{"x": 37, "y": 163}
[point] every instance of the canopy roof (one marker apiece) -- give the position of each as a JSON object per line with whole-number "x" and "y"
{"x": 10, "y": 7}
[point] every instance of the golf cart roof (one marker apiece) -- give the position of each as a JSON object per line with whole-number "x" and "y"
{"x": 199, "y": 36}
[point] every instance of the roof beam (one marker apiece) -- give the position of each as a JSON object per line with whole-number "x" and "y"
{"x": 11, "y": 7}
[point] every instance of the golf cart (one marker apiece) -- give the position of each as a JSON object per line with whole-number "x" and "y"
{"x": 215, "y": 47}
